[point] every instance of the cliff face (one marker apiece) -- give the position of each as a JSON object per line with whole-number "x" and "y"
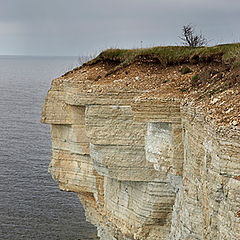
{"x": 146, "y": 163}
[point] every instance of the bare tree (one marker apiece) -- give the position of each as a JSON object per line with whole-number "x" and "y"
{"x": 191, "y": 39}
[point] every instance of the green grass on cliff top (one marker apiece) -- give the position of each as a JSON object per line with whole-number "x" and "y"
{"x": 170, "y": 55}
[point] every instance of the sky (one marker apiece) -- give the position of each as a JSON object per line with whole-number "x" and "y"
{"x": 86, "y": 27}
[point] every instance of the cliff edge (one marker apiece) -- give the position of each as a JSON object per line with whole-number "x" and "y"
{"x": 149, "y": 139}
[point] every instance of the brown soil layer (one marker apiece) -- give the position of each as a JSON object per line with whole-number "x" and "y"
{"x": 213, "y": 86}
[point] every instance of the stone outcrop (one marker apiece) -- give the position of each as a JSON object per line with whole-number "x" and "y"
{"x": 144, "y": 168}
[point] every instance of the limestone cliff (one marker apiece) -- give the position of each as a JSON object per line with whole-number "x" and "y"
{"x": 151, "y": 146}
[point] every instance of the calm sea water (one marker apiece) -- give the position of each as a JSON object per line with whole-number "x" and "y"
{"x": 31, "y": 205}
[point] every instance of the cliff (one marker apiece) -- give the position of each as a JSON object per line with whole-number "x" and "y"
{"x": 149, "y": 140}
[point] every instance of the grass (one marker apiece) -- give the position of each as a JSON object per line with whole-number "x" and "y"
{"x": 183, "y": 90}
{"x": 171, "y": 55}
{"x": 186, "y": 70}
{"x": 195, "y": 77}
{"x": 212, "y": 92}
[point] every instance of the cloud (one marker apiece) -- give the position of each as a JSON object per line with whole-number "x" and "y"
{"x": 70, "y": 27}
{"x": 11, "y": 28}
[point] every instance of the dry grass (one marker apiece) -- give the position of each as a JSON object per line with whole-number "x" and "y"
{"x": 171, "y": 55}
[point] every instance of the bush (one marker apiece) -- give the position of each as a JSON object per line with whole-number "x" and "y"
{"x": 195, "y": 77}
{"x": 186, "y": 70}
{"x": 191, "y": 39}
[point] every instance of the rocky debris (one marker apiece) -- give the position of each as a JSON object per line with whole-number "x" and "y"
{"x": 153, "y": 152}
{"x": 237, "y": 214}
{"x": 199, "y": 82}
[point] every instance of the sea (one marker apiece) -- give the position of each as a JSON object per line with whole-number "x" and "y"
{"x": 31, "y": 204}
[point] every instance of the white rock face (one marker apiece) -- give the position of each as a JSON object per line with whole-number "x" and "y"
{"x": 164, "y": 147}
{"x": 144, "y": 170}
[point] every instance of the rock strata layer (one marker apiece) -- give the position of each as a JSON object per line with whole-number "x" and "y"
{"x": 144, "y": 168}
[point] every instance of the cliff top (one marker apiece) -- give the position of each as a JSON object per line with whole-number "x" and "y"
{"x": 171, "y": 55}
{"x": 207, "y": 76}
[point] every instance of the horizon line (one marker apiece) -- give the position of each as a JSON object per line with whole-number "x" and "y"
{"x": 22, "y": 55}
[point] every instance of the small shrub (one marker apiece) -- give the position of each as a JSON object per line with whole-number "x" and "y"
{"x": 212, "y": 92}
{"x": 183, "y": 90}
{"x": 195, "y": 77}
{"x": 191, "y": 39}
{"x": 195, "y": 80}
{"x": 186, "y": 70}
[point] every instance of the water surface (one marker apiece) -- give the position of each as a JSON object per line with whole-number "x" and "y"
{"x": 31, "y": 205}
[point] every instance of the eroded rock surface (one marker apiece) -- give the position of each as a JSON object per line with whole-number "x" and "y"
{"x": 143, "y": 167}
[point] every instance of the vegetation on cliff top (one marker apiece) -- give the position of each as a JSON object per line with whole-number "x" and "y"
{"x": 204, "y": 74}
{"x": 171, "y": 55}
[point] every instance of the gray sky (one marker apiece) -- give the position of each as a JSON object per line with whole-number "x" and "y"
{"x": 78, "y": 27}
